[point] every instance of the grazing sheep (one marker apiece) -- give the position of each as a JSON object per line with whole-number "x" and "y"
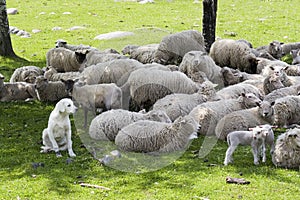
{"x": 237, "y": 55}
{"x": 26, "y": 74}
{"x": 195, "y": 61}
{"x": 296, "y": 56}
{"x": 115, "y": 71}
{"x": 287, "y": 149}
{"x": 51, "y": 74}
{"x": 244, "y": 119}
{"x": 94, "y": 57}
{"x": 146, "y": 86}
{"x": 16, "y": 91}
{"x": 255, "y": 137}
{"x": 65, "y": 60}
{"x": 144, "y": 54}
{"x": 273, "y": 48}
{"x": 209, "y": 113}
{"x": 271, "y": 83}
{"x": 173, "y": 47}
{"x": 288, "y": 47}
{"x": 286, "y": 111}
{"x": 92, "y": 97}
{"x": 107, "y": 124}
{"x": 157, "y": 137}
{"x": 234, "y": 91}
{"x": 52, "y": 91}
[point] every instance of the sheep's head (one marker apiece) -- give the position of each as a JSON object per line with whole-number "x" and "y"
{"x": 60, "y": 43}
{"x": 275, "y": 82}
{"x": 80, "y": 55}
{"x": 293, "y": 136}
{"x": 265, "y": 109}
{"x": 158, "y": 115}
{"x": 40, "y": 82}
{"x": 249, "y": 100}
{"x": 275, "y": 49}
{"x": 231, "y": 76}
{"x": 258, "y": 133}
{"x": 186, "y": 125}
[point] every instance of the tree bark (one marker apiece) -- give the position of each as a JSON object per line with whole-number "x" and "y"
{"x": 209, "y": 22}
{"x": 6, "y": 49}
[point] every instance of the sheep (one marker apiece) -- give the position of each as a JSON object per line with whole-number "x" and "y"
{"x": 271, "y": 83}
{"x": 282, "y": 92}
{"x": 234, "y": 76}
{"x": 255, "y": 137}
{"x": 287, "y": 48}
{"x": 173, "y": 47}
{"x": 26, "y": 74}
{"x": 16, "y": 91}
{"x": 244, "y": 119}
{"x": 207, "y": 114}
{"x": 176, "y": 105}
{"x": 263, "y": 63}
{"x": 146, "y": 86}
{"x": 234, "y": 91}
{"x": 278, "y": 70}
{"x": 51, "y": 91}
{"x": 273, "y": 48}
{"x": 115, "y": 71}
{"x": 94, "y": 57}
{"x": 296, "y": 56}
{"x": 237, "y": 55}
{"x": 293, "y": 70}
{"x": 62, "y": 43}
{"x": 65, "y": 60}
{"x": 92, "y": 97}
{"x": 286, "y": 111}
{"x": 144, "y": 54}
{"x": 106, "y": 125}
{"x": 157, "y": 137}
{"x": 51, "y": 74}
{"x": 287, "y": 149}
{"x": 195, "y": 61}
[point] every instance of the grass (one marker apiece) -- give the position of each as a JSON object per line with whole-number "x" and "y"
{"x": 21, "y": 123}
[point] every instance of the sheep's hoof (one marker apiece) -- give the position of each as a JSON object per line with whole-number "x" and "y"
{"x": 58, "y": 154}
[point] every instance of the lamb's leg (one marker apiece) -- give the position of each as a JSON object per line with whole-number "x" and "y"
{"x": 85, "y": 117}
{"x": 263, "y": 149}
{"x": 229, "y": 152}
{"x": 255, "y": 154}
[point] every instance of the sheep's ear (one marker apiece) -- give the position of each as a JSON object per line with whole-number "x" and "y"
{"x": 60, "y": 107}
{"x": 271, "y": 67}
{"x": 272, "y": 103}
{"x": 286, "y": 68}
{"x": 243, "y": 94}
{"x": 258, "y": 103}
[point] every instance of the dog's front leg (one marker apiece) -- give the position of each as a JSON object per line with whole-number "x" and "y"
{"x": 69, "y": 143}
{"x": 53, "y": 142}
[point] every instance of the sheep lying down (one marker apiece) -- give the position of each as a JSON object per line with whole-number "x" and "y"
{"x": 157, "y": 137}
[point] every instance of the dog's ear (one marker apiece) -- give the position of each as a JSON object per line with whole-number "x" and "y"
{"x": 60, "y": 107}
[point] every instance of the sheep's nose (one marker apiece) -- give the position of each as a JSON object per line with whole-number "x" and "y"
{"x": 254, "y": 137}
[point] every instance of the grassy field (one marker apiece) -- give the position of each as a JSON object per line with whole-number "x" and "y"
{"x": 27, "y": 174}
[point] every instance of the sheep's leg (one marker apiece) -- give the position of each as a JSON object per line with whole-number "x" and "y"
{"x": 85, "y": 117}
{"x": 228, "y": 156}
{"x": 263, "y": 149}
{"x": 255, "y": 154}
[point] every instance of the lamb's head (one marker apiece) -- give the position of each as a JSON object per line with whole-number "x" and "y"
{"x": 249, "y": 100}
{"x": 275, "y": 49}
{"x": 186, "y": 127}
{"x": 265, "y": 109}
{"x": 158, "y": 115}
{"x": 258, "y": 133}
{"x": 60, "y": 43}
{"x": 231, "y": 76}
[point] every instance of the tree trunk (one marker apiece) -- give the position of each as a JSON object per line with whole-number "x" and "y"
{"x": 209, "y": 22}
{"x": 5, "y": 41}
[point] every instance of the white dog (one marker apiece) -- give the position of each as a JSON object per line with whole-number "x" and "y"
{"x": 57, "y": 136}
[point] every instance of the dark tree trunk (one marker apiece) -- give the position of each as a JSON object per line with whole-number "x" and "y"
{"x": 5, "y": 41}
{"x": 209, "y": 22}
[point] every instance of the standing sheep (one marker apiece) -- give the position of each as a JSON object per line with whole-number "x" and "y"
{"x": 26, "y": 74}
{"x": 173, "y": 47}
{"x": 195, "y": 61}
{"x": 157, "y": 137}
{"x": 287, "y": 148}
{"x": 65, "y": 60}
{"x": 234, "y": 54}
{"x": 107, "y": 124}
{"x": 209, "y": 113}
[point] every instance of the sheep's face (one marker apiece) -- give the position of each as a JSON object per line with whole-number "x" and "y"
{"x": 187, "y": 125}
{"x": 60, "y": 43}
{"x": 160, "y": 116}
{"x": 258, "y": 133}
{"x": 275, "y": 81}
{"x": 294, "y": 138}
{"x": 231, "y": 76}
{"x": 265, "y": 109}
{"x": 250, "y": 99}
{"x": 275, "y": 49}
{"x": 277, "y": 70}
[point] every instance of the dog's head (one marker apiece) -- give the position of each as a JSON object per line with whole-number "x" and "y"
{"x": 66, "y": 106}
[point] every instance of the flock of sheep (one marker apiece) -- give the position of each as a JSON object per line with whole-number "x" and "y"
{"x": 157, "y": 97}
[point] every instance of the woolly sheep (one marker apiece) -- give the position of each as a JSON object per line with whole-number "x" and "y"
{"x": 288, "y": 47}
{"x": 209, "y": 113}
{"x": 157, "y": 137}
{"x": 16, "y": 91}
{"x": 173, "y": 47}
{"x": 263, "y": 63}
{"x": 274, "y": 48}
{"x": 144, "y": 54}
{"x": 282, "y": 92}
{"x": 272, "y": 83}
{"x": 26, "y": 74}
{"x": 115, "y": 71}
{"x": 278, "y": 70}
{"x": 94, "y": 57}
{"x": 52, "y": 91}
{"x": 286, "y": 111}
{"x": 51, "y": 74}
{"x": 255, "y": 137}
{"x": 195, "y": 61}
{"x": 65, "y": 60}
{"x": 287, "y": 148}
{"x": 293, "y": 70}
{"x": 106, "y": 125}
{"x": 237, "y": 55}
{"x": 234, "y": 91}
{"x": 244, "y": 119}
{"x": 92, "y": 97}
{"x": 146, "y": 86}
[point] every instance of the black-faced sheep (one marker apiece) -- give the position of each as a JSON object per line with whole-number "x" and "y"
{"x": 237, "y": 55}
{"x": 107, "y": 124}
{"x": 157, "y": 137}
{"x": 65, "y": 60}
{"x": 173, "y": 47}
{"x": 26, "y": 74}
{"x": 287, "y": 149}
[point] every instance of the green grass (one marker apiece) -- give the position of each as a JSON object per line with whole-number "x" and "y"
{"x": 21, "y": 123}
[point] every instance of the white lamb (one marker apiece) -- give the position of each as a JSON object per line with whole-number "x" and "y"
{"x": 255, "y": 137}
{"x": 107, "y": 124}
